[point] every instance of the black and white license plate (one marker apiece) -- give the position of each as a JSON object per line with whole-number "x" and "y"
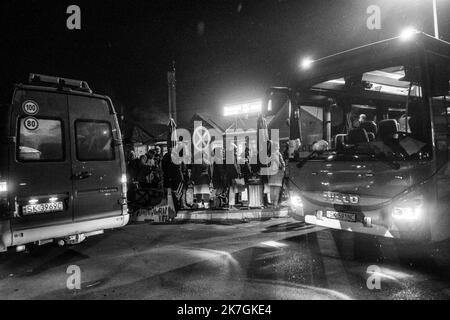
{"x": 43, "y": 208}
{"x": 344, "y": 216}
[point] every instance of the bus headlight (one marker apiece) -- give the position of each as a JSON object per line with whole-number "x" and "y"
{"x": 296, "y": 201}
{"x": 3, "y": 197}
{"x": 410, "y": 210}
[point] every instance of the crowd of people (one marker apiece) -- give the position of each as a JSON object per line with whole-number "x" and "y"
{"x": 217, "y": 185}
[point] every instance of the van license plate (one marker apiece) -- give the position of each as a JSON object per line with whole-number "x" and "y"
{"x": 43, "y": 208}
{"x": 344, "y": 216}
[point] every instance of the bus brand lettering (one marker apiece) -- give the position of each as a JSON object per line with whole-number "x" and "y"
{"x": 341, "y": 198}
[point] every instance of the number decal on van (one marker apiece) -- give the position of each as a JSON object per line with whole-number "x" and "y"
{"x": 30, "y": 107}
{"x": 31, "y": 123}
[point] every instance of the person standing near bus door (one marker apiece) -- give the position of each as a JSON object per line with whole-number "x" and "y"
{"x": 172, "y": 176}
{"x": 277, "y": 167}
{"x": 233, "y": 172}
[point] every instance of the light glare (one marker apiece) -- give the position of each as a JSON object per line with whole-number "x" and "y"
{"x": 306, "y": 63}
{"x": 296, "y": 201}
{"x": 408, "y": 33}
{"x": 408, "y": 213}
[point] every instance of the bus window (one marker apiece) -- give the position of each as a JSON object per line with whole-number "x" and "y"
{"x": 378, "y": 113}
{"x": 312, "y": 127}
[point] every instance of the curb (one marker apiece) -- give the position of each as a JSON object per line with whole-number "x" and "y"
{"x": 235, "y": 215}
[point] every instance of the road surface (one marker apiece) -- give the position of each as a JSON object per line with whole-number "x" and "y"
{"x": 275, "y": 259}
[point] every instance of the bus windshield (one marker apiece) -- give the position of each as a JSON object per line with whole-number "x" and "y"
{"x": 377, "y": 114}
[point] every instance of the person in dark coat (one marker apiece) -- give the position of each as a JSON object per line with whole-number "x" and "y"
{"x": 132, "y": 171}
{"x": 219, "y": 174}
{"x": 172, "y": 176}
{"x": 201, "y": 176}
{"x": 246, "y": 169}
{"x": 219, "y": 177}
{"x": 233, "y": 171}
{"x": 132, "y": 166}
{"x": 143, "y": 172}
{"x": 275, "y": 180}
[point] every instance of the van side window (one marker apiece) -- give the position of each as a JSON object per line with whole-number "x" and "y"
{"x": 41, "y": 140}
{"x": 94, "y": 140}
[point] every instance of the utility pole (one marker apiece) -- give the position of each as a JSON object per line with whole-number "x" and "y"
{"x": 171, "y": 82}
{"x": 435, "y": 20}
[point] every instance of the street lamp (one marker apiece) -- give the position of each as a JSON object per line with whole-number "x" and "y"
{"x": 408, "y": 33}
{"x": 306, "y": 63}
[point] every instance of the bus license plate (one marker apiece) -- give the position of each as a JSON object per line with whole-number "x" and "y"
{"x": 43, "y": 208}
{"x": 344, "y": 216}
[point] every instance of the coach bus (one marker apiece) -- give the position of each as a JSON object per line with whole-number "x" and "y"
{"x": 370, "y": 130}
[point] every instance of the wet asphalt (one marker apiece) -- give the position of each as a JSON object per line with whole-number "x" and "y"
{"x": 274, "y": 259}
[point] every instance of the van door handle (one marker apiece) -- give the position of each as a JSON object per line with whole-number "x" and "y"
{"x": 82, "y": 175}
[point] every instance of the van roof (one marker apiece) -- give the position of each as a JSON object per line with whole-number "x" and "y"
{"x": 21, "y": 86}
{"x": 41, "y": 82}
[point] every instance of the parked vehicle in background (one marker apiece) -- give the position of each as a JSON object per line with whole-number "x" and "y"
{"x": 373, "y": 124}
{"x": 62, "y": 166}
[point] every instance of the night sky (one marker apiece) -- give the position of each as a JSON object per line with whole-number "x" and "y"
{"x": 225, "y": 51}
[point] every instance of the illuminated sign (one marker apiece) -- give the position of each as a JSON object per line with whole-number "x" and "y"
{"x": 253, "y": 106}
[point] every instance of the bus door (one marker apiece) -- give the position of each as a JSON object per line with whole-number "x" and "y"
{"x": 440, "y": 107}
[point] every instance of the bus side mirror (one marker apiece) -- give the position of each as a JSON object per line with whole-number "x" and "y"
{"x": 277, "y": 98}
{"x": 439, "y": 78}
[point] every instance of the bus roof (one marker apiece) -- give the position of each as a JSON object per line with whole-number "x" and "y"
{"x": 362, "y": 58}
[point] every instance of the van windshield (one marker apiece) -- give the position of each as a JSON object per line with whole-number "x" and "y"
{"x": 376, "y": 114}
